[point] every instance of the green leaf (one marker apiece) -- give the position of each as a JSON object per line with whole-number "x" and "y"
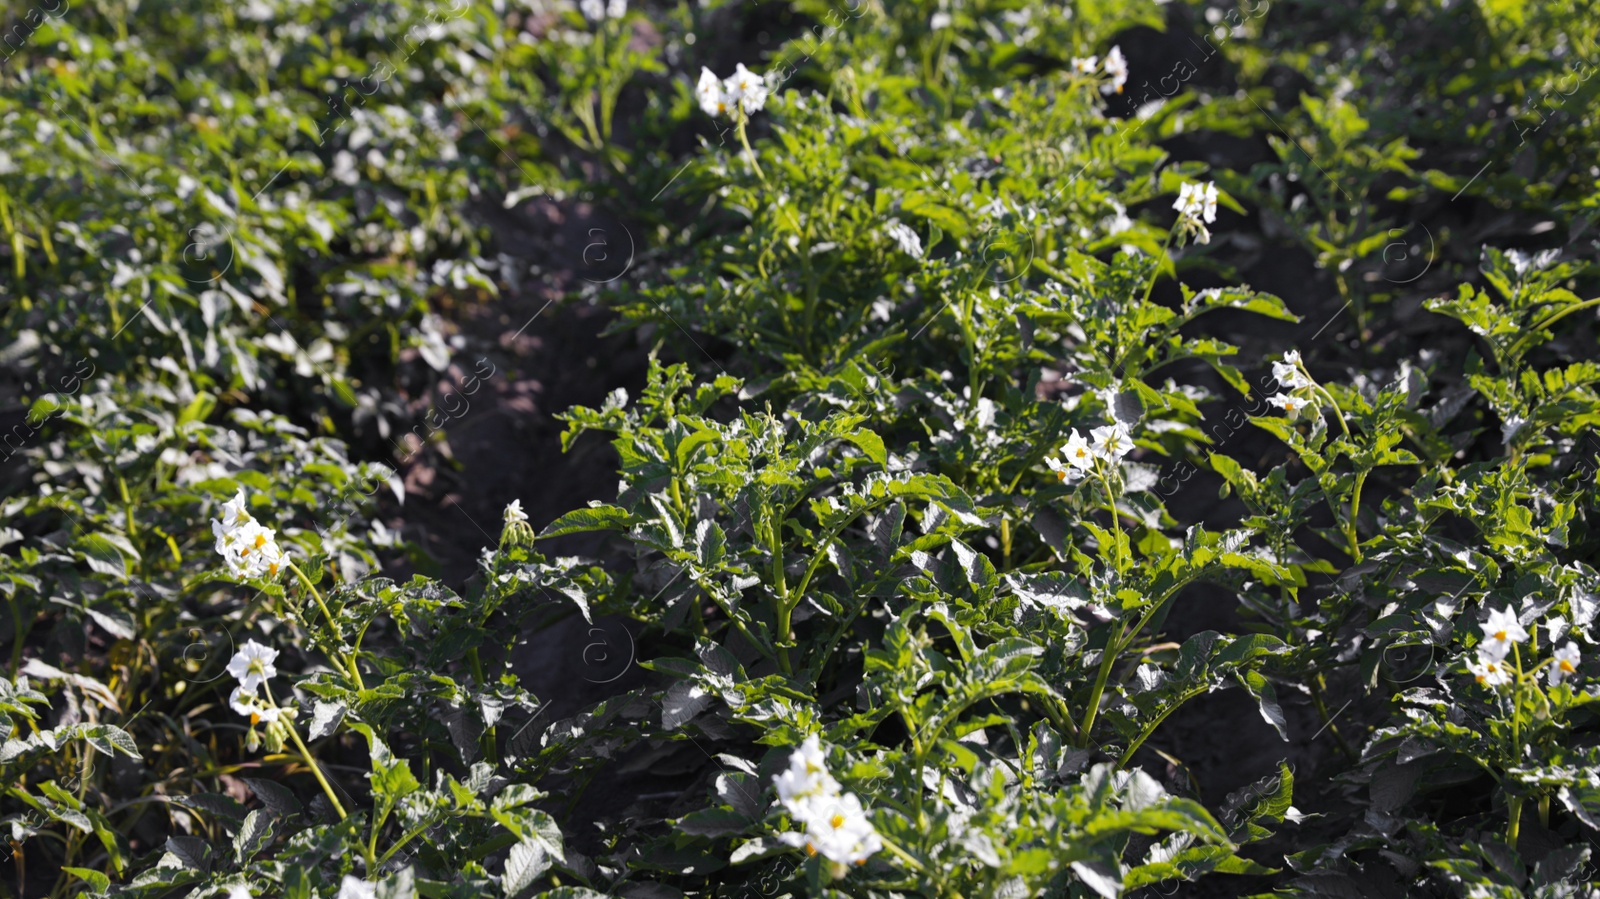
{"x": 97, "y": 881}
{"x": 253, "y": 834}
{"x": 870, "y": 444}
{"x": 594, "y": 518}
{"x": 527, "y": 861}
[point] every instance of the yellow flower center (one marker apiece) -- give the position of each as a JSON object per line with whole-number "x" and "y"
{"x": 1061, "y": 476}
{"x": 1566, "y": 666}
{"x": 261, "y": 540}
{"x": 810, "y": 849}
{"x": 1082, "y": 453}
{"x": 254, "y": 719}
{"x": 1500, "y": 635}
{"x": 837, "y": 821}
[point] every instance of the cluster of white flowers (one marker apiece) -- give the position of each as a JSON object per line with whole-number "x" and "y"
{"x": 1291, "y": 377}
{"x": 1116, "y": 66}
{"x": 600, "y": 10}
{"x": 252, "y": 667}
{"x": 1197, "y": 207}
{"x": 515, "y": 529}
{"x": 836, "y": 827}
{"x": 1502, "y": 631}
{"x": 743, "y": 92}
{"x": 1107, "y": 444}
{"x": 250, "y": 550}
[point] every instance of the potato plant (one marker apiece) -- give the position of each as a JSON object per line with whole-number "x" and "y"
{"x": 1032, "y": 393}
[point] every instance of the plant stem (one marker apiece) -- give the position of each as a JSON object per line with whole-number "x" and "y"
{"x": 1317, "y": 686}
{"x": 294, "y": 734}
{"x": 1339, "y": 413}
{"x": 1350, "y": 523}
{"x": 349, "y": 663}
{"x": 1151, "y": 287}
{"x": 1514, "y": 813}
{"x": 1150, "y": 728}
{"x": 1114, "y": 647}
{"x": 892, "y": 846}
{"x": 784, "y": 611}
{"x": 1116, "y": 518}
{"x": 749, "y": 152}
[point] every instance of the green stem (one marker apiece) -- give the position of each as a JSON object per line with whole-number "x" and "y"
{"x": 1338, "y": 413}
{"x": 1514, "y": 814}
{"x": 1151, "y": 287}
{"x": 1350, "y": 523}
{"x": 905, "y": 856}
{"x": 742, "y": 118}
{"x": 1150, "y": 728}
{"x": 349, "y": 663}
{"x": 1116, "y": 516}
{"x": 311, "y": 762}
{"x": 1114, "y": 646}
{"x": 784, "y": 611}
{"x": 405, "y": 838}
{"x": 1317, "y": 686}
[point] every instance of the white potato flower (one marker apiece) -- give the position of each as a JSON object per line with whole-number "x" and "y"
{"x": 1111, "y": 442}
{"x": 714, "y": 101}
{"x": 1064, "y": 472}
{"x": 940, "y": 20}
{"x": 806, "y": 777}
{"x": 1500, "y": 631}
{"x": 1078, "y": 453}
{"x": 1489, "y": 670}
{"x": 1117, "y": 68}
{"x": 1197, "y": 207}
{"x": 1288, "y": 372}
{"x": 1077, "y": 459}
{"x": 252, "y": 664}
{"x": 1289, "y": 403}
{"x": 905, "y": 237}
{"x": 1085, "y": 65}
{"x": 1564, "y": 664}
{"x": 247, "y": 703}
{"x": 514, "y": 513}
{"x": 836, "y": 827}
{"x": 236, "y": 512}
{"x": 249, "y": 549}
{"x": 747, "y": 89}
